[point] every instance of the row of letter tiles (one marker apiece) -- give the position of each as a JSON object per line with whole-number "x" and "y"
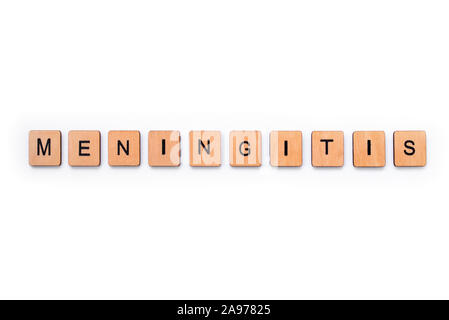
{"x": 245, "y": 148}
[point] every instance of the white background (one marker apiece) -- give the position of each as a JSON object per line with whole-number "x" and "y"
{"x": 224, "y": 233}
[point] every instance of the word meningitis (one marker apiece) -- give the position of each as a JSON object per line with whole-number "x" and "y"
{"x": 245, "y": 148}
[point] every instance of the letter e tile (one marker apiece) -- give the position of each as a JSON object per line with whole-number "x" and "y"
{"x": 84, "y": 148}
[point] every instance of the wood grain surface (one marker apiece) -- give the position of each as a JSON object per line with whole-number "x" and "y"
{"x": 328, "y": 148}
{"x": 286, "y": 148}
{"x": 368, "y": 148}
{"x": 124, "y": 148}
{"x": 205, "y": 148}
{"x": 44, "y": 148}
{"x": 410, "y": 149}
{"x": 84, "y": 148}
{"x": 245, "y": 148}
{"x": 164, "y": 148}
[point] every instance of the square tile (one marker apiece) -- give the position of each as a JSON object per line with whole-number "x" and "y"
{"x": 286, "y": 148}
{"x": 368, "y": 148}
{"x": 164, "y": 148}
{"x": 409, "y": 148}
{"x": 124, "y": 148}
{"x": 44, "y": 148}
{"x": 84, "y": 148}
{"x": 328, "y": 148}
{"x": 245, "y": 148}
{"x": 205, "y": 148}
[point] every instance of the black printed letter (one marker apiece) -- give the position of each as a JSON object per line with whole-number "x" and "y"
{"x": 201, "y": 144}
{"x": 406, "y": 144}
{"x": 247, "y": 149}
{"x": 41, "y": 147}
{"x": 163, "y": 146}
{"x": 83, "y": 148}
{"x": 327, "y": 144}
{"x": 119, "y": 144}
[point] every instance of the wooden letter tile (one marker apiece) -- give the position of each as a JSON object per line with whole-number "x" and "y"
{"x": 205, "y": 148}
{"x": 368, "y": 148}
{"x": 245, "y": 148}
{"x": 286, "y": 148}
{"x": 327, "y": 148}
{"x": 44, "y": 148}
{"x": 409, "y": 148}
{"x": 84, "y": 148}
{"x": 164, "y": 148}
{"x": 124, "y": 148}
